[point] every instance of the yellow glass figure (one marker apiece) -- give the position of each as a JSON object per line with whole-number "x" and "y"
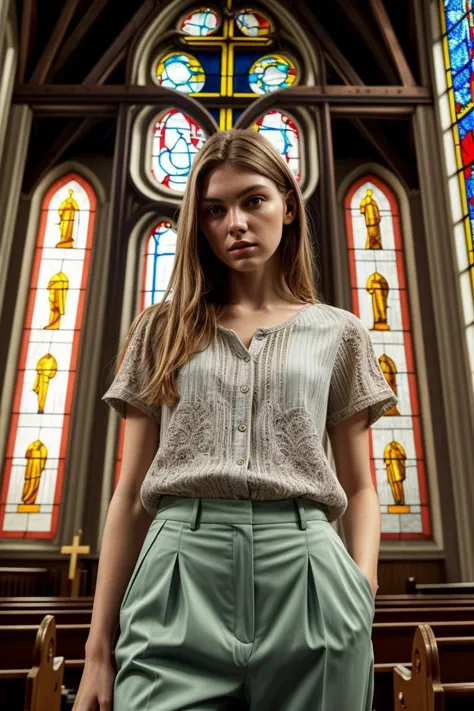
{"x": 46, "y": 368}
{"x": 370, "y": 210}
{"x": 377, "y": 287}
{"x": 389, "y": 370}
{"x": 67, "y": 215}
{"x": 36, "y": 457}
{"x": 394, "y": 459}
{"x": 58, "y": 286}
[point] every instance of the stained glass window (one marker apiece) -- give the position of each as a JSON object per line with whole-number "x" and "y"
{"x": 33, "y": 478}
{"x": 176, "y": 140}
{"x": 380, "y": 299}
{"x": 252, "y": 23}
{"x": 282, "y": 132}
{"x": 181, "y": 71}
{"x": 158, "y": 260}
{"x": 454, "y": 64}
{"x": 201, "y": 22}
{"x": 271, "y": 72}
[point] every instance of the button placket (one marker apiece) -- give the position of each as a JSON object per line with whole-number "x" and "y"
{"x": 243, "y": 411}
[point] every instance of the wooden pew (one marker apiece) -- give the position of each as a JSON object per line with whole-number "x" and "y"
{"x": 441, "y": 676}
{"x": 28, "y": 581}
{"x": 393, "y": 641}
{"x": 424, "y": 614}
{"x": 414, "y": 588}
{"x": 432, "y": 600}
{"x": 62, "y": 616}
{"x": 44, "y": 681}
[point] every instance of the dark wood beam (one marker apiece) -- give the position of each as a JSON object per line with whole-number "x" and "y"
{"x": 59, "y": 32}
{"x": 119, "y": 45}
{"x": 359, "y": 20}
{"x": 392, "y": 43}
{"x": 334, "y": 55}
{"x": 76, "y": 36}
{"x": 78, "y": 128}
{"x": 68, "y": 94}
{"x": 28, "y": 22}
{"x": 379, "y": 112}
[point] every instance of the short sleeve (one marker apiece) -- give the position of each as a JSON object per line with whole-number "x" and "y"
{"x": 357, "y": 380}
{"x": 133, "y": 375}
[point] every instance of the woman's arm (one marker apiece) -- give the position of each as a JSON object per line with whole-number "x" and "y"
{"x": 361, "y": 521}
{"x": 125, "y": 529}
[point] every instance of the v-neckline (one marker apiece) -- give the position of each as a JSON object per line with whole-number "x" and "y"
{"x": 267, "y": 329}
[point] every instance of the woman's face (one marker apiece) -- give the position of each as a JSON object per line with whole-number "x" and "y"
{"x": 240, "y": 204}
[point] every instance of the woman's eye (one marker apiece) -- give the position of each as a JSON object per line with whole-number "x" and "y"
{"x": 212, "y": 208}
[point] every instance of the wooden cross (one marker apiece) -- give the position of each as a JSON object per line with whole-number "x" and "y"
{"x": 74, "y": 550}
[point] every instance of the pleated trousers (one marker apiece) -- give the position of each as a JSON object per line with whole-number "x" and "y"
{"x": 244, "y": 605}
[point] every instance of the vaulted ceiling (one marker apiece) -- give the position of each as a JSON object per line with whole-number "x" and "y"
{"x": 87, "y": 42}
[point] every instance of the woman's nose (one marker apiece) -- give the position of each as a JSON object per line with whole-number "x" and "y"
{"x": 236, "y": 220}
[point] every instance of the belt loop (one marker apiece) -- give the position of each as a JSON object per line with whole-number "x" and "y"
{"x": 194, "y": 515}
{"x": 302, "y": 514}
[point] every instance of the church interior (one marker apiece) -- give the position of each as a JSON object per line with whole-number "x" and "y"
{"x": 103, "y": 107}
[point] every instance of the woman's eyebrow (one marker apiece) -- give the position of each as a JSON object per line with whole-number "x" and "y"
{"x": 242, "y": 192}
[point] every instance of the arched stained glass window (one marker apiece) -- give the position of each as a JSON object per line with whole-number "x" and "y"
{"x": 33, "y": 478}
{"x": 454, "y": 65}
{"x": 176, "y": 140}
{"x": 157, "y": 262}
{"x": 283, "y": 133}
{"x": 235, "y": 54}
{"x": 380, "y": 299}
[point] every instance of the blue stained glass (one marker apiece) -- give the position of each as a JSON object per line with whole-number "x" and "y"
{"x": 242, "y": 63}
{"x": 270, "y": 73}
{"x": 283, "y": 134}
{"x": 201, "y": 22}
{"x": 176, "y": 140}
{"x": 211, "y": 62}
{"x": 182, "y": 72}
{"x": 460, "y": 41}
{"x": 159, "y": 260}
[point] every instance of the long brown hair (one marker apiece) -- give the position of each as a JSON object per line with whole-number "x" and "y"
{"x": 177, "y": 327}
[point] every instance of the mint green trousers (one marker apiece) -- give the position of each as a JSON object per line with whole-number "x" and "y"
{"x": 248, "y": 605}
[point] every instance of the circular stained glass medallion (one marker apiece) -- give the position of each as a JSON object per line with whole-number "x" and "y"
{"x": 180, "y": 71}
{"x": 252, "y": 23}
{"x": 201, "y": 22}
{"x": 271, "y": 72}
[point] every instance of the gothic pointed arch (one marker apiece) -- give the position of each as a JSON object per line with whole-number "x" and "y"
{"x": 383, "y": 294}
{"x": 44, "y": 349}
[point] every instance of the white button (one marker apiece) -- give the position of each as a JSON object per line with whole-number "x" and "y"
{"x": 244, "y": 388}
{"x": 242, "y": 427}
{"x": 240, "y": 460}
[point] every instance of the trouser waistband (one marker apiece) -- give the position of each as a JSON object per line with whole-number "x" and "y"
{"x": 204, "y": 510}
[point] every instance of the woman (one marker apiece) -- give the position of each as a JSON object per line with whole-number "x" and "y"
{"x": 242, "y": 593}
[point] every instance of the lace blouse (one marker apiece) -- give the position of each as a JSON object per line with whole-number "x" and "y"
{"x": 249, "y": 423}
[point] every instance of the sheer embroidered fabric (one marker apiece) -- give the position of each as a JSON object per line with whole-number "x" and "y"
{"x": 249, "y": 423}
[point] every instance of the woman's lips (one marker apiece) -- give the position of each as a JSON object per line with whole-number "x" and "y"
{"x": 243, "y": 250}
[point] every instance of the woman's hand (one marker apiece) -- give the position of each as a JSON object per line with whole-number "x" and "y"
{"x": 97, "y": 684}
